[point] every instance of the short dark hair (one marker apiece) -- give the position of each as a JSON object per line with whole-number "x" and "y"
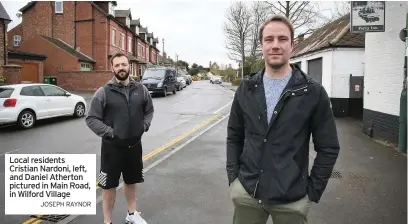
{"x": 117, "y": 55}
{"x": 277, "y": 18}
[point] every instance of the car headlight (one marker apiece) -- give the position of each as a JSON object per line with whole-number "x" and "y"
{"x": 160, "y": 84}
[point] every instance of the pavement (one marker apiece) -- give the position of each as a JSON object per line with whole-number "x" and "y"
{"x": 191, "y": 186}
{"x": 177, "y": 118}
{"x": 188, "y": 182}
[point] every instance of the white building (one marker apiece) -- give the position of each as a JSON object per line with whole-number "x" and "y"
{"x": 334, "y": 57}
{"x": 384, "y": 69}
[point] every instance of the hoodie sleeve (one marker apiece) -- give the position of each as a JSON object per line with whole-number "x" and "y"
{"x": 94, "y": 119}
{"x": 148, "y": 109}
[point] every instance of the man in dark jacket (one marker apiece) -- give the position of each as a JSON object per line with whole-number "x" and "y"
{"x": 120, "y": 112}
{"x": 272, "y": 118}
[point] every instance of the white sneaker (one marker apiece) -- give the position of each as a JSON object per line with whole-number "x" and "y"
{"x": 135, "y": 218}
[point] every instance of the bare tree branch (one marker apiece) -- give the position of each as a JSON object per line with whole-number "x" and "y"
{"x": 302, "y": 14}
{"x": 259, "y": 15}
{"x": 237, "y": 29}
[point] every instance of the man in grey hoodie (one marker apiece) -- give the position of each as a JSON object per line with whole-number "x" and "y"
{"x": 120, "y": 112}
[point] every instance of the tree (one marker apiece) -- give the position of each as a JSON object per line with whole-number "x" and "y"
{"x": 304, "y": 15}
{"x": 237, "y": 30}
{"x": 259, "y": 14}
{"x": 183, "y": 64}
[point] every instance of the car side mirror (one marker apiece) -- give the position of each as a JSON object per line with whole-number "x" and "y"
{"x": 67, "y": 94}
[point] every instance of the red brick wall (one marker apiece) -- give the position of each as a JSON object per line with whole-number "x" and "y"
{"x": 63, "y": 23}
{"x": 101, "y": 40}
{"x": 84, "y": 28}
{"x": 37, "y": 20}
{"x": 12, "y": 73}
{"x": 40, "y": 66}
{"x": 119, "y": 29}
{"x": 3, "y": 45}
{"x": 17, "y": 30}
{"x": 83, "y": 80}
{"x": 57, "y": 59}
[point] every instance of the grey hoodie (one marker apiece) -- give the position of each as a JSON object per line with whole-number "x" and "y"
{"x": 120, "y": 112}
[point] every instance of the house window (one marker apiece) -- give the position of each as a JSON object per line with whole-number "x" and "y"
{"x": 147, "y": 57}
{"x": 111, "y": 9}
{"x": 130, "y": 44}
{"x": 17, "y": 40}
{"x": 123, "y": 41}
{"x": 139, "y": 50}
{"x": 86, "y": 67}
{"x": 59, "y": 7}
{"x": 127, "y": 21}
{"x": 140, "y": 70}
{"x": 113, "y": 37}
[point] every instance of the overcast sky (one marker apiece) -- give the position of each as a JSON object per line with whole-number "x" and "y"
{"x": 191, "y": 29}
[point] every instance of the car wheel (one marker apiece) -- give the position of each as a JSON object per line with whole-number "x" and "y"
{"x": 79, "y": 110}
{"x": 165, "y": 92}
{"x": 175, "y": 90}
{"x": 26, "y": 119}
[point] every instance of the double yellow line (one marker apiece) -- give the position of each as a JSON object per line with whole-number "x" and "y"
{"x": 151, "y": 154}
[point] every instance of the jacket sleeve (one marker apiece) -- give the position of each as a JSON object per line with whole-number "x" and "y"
{"x": 235, "y": 137}
{"x": 326, "y": 145}
{"x": 148, "y": 109}
{"x": 94, "y": 119}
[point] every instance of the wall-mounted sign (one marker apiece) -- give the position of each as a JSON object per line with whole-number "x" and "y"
{"x": 357, "y": 88}
{"x": 367, "y": 16}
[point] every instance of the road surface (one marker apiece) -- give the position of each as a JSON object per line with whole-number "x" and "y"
{"x": 177, "y": 117}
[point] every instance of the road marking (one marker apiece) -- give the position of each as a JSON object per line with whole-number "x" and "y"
{"x": 216, "y": 112}
{"x": 15, "y": 150}
{"x": 151, "y": 166}
{"x": 176, "y": 140}
{"x": 185, "y": 99}
{"x": 33, "y": 219}
{"x": 167, "y": 145}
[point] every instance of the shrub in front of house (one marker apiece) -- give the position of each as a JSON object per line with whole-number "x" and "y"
{"x": 3, "y": 80}
{"x": 236, "y": 82}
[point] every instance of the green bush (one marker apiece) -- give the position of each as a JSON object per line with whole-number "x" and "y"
{"x": 236, "y": 82}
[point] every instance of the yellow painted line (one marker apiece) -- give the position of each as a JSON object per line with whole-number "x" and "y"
{"x": 31, "y": 221}
{"x": 174, "y": 141}
{"x": 154, "y": 152}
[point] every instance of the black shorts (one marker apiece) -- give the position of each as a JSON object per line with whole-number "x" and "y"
{"x": 117, "y": 159}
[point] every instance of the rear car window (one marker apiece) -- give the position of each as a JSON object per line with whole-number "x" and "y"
{"x": 6, "y": 92}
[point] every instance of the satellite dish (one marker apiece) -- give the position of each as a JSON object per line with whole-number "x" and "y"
{"x": 18, "y": 14}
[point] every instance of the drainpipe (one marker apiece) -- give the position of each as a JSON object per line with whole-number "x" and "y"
{"x": 402, "y": 142}
{"x": 4, "y": 42}
{"x": 75, "y": 31}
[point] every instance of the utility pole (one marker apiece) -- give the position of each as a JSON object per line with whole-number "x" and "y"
{"x": 402, "y": 142}
{"x": 176, "y": 63}
{"x": 163, "y": 59}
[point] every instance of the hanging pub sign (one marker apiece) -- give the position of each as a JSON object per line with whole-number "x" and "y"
{"x": 367, "y": 16}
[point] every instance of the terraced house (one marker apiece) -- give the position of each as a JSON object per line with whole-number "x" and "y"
{"x": 78, "y": 39}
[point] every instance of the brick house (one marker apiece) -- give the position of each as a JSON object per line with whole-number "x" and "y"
{"x": 17, "y": 66}
{"x": 78, "y": 38}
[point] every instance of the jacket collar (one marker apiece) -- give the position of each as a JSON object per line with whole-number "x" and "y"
{"x": 298, "y": 78}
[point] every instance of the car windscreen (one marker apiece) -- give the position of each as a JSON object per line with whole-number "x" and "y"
{"x": 156, "y": 74}
{"x": 6, "y": 92}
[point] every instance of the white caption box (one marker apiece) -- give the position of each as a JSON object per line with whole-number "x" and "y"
{"x": 50, "y": 184}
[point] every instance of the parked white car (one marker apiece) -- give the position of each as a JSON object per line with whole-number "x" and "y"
{"x": 182, "y": 82}
{"x": 24, "y": 104}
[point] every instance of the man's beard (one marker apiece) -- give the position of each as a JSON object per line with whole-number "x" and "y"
{"x": 276, "y": 66}
{"x": 122, "y": 78}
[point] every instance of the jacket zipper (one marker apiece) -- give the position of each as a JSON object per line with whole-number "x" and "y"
{"x": 256, "y": 187}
